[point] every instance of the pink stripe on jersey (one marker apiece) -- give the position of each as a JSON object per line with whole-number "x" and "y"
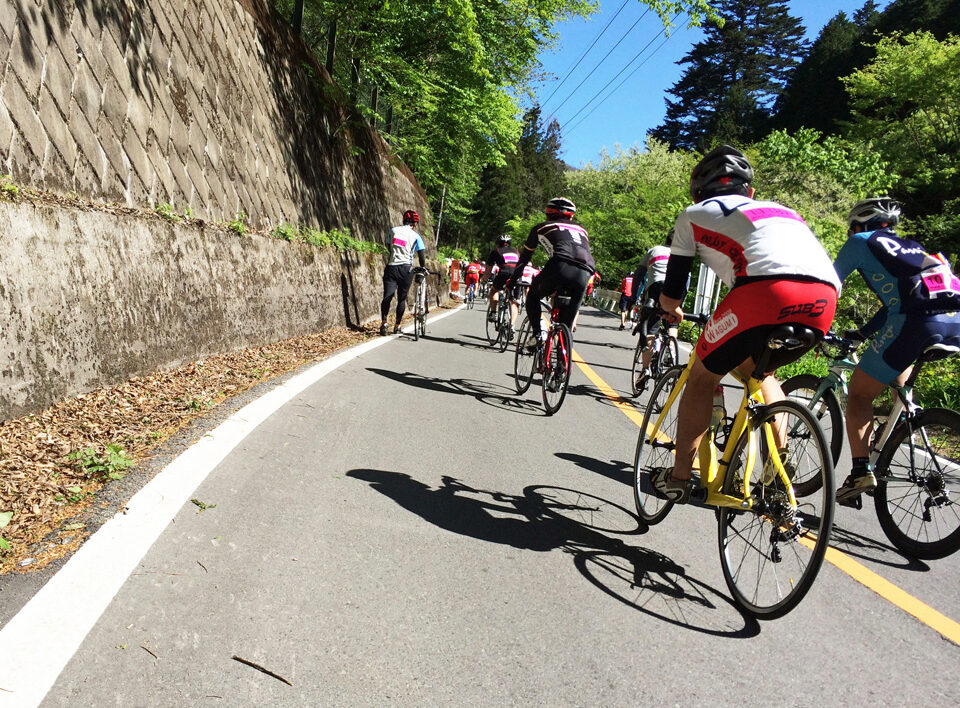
{"x": 772, "y": 213}
{"x": 657, "y": 259}
{"x": 724, "y": 245}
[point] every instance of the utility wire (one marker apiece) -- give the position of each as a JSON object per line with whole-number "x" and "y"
{"x": 570, "y": 71}
{"x": 617, "y": 88}
{"x": 570, "y": 95}
{"x": 617, "y": 75}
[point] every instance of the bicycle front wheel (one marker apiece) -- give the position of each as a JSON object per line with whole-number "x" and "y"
{"x": 803, "y": 389}
{"x": 669, "y": 355}
{"x": 661, "y": 452}
{"x": 918, "y": 485}
{"x": 772, "y": 552}
{"x": 504, "y": 333}
{"x": 524, "y": 358}
{"x": 556, "y": 367}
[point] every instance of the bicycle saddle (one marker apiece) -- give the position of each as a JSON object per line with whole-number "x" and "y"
{"x": 792, "y": 336}
{"x": 938, "y": 351}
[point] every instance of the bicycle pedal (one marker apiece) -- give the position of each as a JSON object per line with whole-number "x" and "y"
{"x": 852, "y": 502}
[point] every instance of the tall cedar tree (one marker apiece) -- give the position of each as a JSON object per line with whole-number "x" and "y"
{"x": 530, "y": 176}
{"x": 815, "y": 97}
{"x": 734, "y": 75}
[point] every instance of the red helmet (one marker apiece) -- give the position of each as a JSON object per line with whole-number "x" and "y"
{"x": 411, "y": 217}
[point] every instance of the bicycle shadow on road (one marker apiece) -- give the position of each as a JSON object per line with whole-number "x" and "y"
{"x": 615, "y": 469}
{"x": 546, "y": 518}
{"x": 484, "y": 391}
{"x": 872, "y": 551}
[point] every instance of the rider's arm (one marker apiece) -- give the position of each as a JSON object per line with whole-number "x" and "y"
{"x": 421, "y": 251}
{"x": 851, "y": 255}
{"x": 640, "y": 279}
{"x": 526, "y": 253}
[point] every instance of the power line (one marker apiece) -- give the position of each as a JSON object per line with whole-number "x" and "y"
{"x": 617, "y": 88}
{"x": 570, "y": 95}
{"x": 570, "y": 71}
{"x": 625, "y": 67}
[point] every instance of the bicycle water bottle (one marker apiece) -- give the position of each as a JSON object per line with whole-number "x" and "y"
{"x": 719, "y": 412}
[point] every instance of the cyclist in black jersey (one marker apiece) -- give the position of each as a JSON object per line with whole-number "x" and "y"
{"x": 569, "y": 267}
{"x": 505, "y": 258}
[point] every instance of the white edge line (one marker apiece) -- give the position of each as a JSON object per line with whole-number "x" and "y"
{"x": 37, "y": 643}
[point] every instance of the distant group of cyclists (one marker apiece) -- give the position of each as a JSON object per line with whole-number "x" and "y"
{"x": 777, "y": 273}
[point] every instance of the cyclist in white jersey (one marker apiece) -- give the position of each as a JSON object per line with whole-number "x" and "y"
{"x": 648, "y": 279}
{"x": 777, "y": 271}
{"x": 398, "y": 274}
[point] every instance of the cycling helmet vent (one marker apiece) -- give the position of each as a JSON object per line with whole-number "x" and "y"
{"x": 503, "y": 238}
{"x": 723, "y": 170}
{"x": 411, "y": 217}
{"x": 561, "y": 205}
{"x": 874, "y": 213}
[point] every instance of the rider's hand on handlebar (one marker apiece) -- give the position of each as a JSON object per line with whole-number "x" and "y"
{"x": 674, "y": 316}
{"x": 854, "y": 334}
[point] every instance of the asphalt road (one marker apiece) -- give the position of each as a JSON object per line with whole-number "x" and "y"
{"x": 408, "y": 531}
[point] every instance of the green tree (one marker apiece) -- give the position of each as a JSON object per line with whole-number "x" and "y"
{"x": 906, "y": 101}
{"x": 734, "y": 75}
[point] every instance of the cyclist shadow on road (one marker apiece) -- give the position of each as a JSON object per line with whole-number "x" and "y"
{"x": 547, "y": 518}
{"x": 484, "y": 391}
{"x": 616, "y": 470}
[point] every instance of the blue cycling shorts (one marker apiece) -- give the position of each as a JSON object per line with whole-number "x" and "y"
{"x": 902, "y": 339}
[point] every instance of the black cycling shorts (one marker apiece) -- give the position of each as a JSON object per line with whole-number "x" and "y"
{"x": 500, "y": 279}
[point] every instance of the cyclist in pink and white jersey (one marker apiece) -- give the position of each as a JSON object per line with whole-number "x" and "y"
{"x": 504, "y": 258}
{"x": 777, "y": 271}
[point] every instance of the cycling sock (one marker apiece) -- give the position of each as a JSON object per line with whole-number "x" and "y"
{"x": 860, "y": 466}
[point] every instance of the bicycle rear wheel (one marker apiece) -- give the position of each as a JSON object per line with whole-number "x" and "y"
{"x": 492, "y": 326}
{"x": 556, "y": 367}
{"x": 918, "y": 504}
{"x": 504, "y": 333}
{"x": 636, "y": 371}
{"x": 660, "y": 453}
{"x": 771, "y": 553}
{"x": 524, "y": 358}
{"x": 803, "y": 389}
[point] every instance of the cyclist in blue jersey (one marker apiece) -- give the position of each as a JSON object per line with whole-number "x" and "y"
{"x": 921, "y": 299}
{"x": 398, "y": 275}
{"x": 648, "y": 279}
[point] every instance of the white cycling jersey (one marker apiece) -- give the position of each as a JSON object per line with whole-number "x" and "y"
{"x": 657, "y": 258}
{"x": 739, "y": 237}
{"x": 529, "y": 272}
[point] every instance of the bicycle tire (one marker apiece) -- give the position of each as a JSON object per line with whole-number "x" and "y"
{"x": 803, "y": 388}
{"x": 636, "y": 386}
{"x": 524, "y": 364}
{"x": 416, "y": 326}
{"x": 776, "y": 538}
{"x": 558, "y": 352}
{"x": 650, "y": 507}
{"x": 904, "y": 503}
{"x": 504, "y": 333}
{"x": 491, "y": 330}
{"x": 669, "y": 355}
{"x": 422, "y": 323}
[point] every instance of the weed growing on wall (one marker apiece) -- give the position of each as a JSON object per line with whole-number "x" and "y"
{"x": 8, "y": 189}
{"x": 166, "y": 211}
{"x": 342, "y": 240}
{"x": 239, "y": 223}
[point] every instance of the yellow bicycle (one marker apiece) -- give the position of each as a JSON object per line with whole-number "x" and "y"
{"x": 772, "y": 543}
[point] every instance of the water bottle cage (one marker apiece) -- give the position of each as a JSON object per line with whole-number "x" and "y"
{"x": 721, "y": 432}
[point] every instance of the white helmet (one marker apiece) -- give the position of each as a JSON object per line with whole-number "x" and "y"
{"x": 874, "y": 213}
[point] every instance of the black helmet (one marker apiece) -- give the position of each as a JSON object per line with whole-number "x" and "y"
{"x": 723, "y": 170}
{"x": 874, "y": 213}
{"x": 503, "y": 239}
{"x": 561, "y": 205}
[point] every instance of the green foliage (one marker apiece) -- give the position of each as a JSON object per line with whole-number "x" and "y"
{"x": 629, "y": 201}
{"x": 111, "y": 464}
{"x": 907, "y": 96}
{"x": 239, "y": 223}
{"x": 342, "y": 240}
{"x": 202, "y": 505}
{"x": 452, "y": 252}
{"x": 5, "y": 517}
{"x": 166, "y": 211}
{"x": 8, "y": 189}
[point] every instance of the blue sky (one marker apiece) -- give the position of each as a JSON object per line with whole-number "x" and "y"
{"x": 638, "y": 105}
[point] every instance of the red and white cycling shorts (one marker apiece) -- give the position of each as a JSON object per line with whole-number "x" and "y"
{"x": 738, "y": 329}
{"x": 472, "y": 279}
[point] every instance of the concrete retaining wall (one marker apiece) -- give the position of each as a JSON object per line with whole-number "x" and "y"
{"x": 89, "y": 298}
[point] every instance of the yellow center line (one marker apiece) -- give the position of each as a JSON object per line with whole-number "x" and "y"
{"x": 947, "y": 627}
